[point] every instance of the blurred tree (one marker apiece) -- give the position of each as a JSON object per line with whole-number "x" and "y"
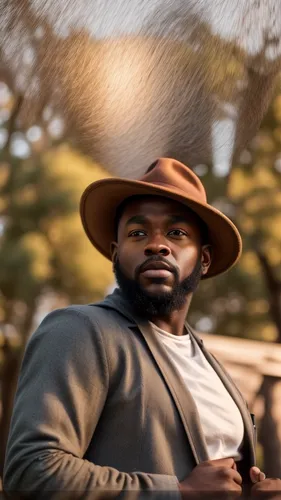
{"x": 42, "y": 245}
{"x": 246, "y": 302}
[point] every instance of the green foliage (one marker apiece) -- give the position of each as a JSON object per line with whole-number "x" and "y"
{"x": 237, "y": 303}
{"x": 43, "y": 242}
{"x": 43, "y": 246}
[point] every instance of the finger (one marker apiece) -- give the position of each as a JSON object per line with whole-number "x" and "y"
{"x": 237, "y": 477}
{"x": 232, "y": 474}
{"x": 256, "y": 475}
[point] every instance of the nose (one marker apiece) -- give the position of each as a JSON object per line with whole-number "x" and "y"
{"x": 156, "y": 247}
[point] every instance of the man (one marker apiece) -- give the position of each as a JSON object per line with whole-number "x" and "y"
{"x": 121, "y": 398}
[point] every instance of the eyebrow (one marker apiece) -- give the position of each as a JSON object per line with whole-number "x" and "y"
{"x": 178, "y": 218}
{"x": 136, "y": 219}
{"x": 141, "y": 219}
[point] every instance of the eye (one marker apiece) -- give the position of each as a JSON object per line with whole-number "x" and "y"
{"x": 137, "y": 232}
{"x": 178, "y": 233}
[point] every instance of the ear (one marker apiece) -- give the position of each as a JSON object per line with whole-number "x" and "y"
{"x": 113, "y": 250}
{"x": 206, "y": 257}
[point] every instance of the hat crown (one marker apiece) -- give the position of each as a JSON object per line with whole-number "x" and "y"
{"x": 174, "y": 175}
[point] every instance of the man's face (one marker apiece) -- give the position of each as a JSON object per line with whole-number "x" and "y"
{"x": 158, "y": 258}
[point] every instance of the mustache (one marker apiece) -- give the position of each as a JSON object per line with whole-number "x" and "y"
{"x": 155, "y": 258}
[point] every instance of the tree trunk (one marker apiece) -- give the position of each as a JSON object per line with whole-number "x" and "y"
{"x": 9, "y": 378}
{"x": 269, "y": 430}
{"x": 274, "y": 289}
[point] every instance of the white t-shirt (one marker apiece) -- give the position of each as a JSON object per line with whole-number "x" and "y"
{"x": 220, "y": 417}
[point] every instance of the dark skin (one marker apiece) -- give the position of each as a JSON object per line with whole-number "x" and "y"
{"x": 166, "y": 228}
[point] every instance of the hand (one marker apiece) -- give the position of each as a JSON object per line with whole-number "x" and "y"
{"x": 268, "y": 489}
{"x": 212, "y": 479}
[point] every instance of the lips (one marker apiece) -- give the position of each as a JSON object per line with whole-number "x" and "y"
{"x": 156, "y": 273}
{"x": 156, "y": 270}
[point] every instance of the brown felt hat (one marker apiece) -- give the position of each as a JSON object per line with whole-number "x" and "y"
{"x": 173, "y": 180}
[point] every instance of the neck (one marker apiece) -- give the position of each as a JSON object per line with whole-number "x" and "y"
{"x": 174, "y": 322}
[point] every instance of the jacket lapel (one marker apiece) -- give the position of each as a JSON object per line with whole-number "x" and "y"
{"x": 181, "y": 395}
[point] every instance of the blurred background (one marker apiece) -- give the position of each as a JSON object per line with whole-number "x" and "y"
{"x": 46, "y": 261}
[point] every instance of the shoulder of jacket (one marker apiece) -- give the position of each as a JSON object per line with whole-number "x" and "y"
{"x": 94, "y": 317}
{"x": 87, "y": 312}
{"x": 106, "y": 319}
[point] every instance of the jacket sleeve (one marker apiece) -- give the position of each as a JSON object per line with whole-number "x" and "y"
{"x": 61, "y": 392}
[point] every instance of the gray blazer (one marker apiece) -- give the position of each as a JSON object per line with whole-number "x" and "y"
{"x": 101, "y": 412}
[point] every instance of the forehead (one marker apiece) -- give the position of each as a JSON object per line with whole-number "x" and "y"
{"x": 158, "y": 206}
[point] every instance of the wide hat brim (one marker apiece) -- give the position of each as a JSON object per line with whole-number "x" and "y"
{"x": 101, "y": 198}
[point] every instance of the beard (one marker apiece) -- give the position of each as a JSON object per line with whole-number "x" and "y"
{"x": 149, "y": 305}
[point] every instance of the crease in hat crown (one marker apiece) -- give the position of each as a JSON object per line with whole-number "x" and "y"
{"x": 170, "y": 179}
{"x": 173, "y": 174}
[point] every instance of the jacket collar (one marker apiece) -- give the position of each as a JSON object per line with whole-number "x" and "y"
{"x": 117, "y": 301}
